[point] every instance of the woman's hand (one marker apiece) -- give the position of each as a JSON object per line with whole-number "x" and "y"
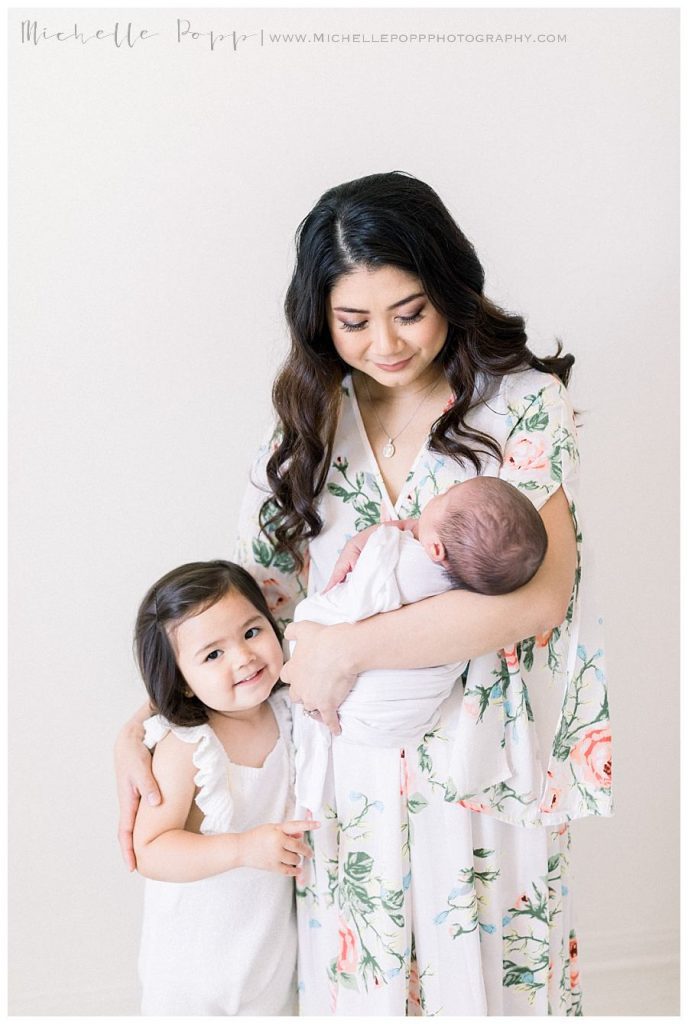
{"x": 276, "y": 847}
{"x": 320, "y": 672}
{"x": 134, "y": 780}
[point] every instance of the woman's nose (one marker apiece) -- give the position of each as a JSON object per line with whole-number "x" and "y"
{"x": 384, "y": 339}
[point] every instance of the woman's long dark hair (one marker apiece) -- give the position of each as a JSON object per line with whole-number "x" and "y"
{"x": 381, "y": 220}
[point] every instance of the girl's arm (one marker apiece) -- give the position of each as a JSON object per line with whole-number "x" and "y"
{"x": 168, "y": 853}
{"x": 455, "y": 626}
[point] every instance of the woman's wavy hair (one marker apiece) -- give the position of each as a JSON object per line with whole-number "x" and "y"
{"x": 181, "y": 593}
{"x": 381, "y": 220}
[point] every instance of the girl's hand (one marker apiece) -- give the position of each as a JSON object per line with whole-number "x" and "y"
{"x": 134, "y": 780}
{"x": 321, "y": 671}
{"x": 276, "y": 847}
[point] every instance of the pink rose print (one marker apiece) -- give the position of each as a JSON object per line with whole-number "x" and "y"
{"x": 593, "y": 756}
{"x": 414, "y": 986}
{"x": 470, "y": 707}
{"x": 449, "y": 404}
{"x": 552, "y": 797}
{"x": 471, "y": 806}
{"x": 527, "y": 454}
{"x": 274, "y": 596}
{"x": 407, "y": 781}
{"x": 510, "y": 656}
{"x": 347, "y": 961}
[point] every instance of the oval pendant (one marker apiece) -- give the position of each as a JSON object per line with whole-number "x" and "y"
{"x": 389, "y": 449}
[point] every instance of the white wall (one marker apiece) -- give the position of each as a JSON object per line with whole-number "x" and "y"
{"x": 154, "y": 196}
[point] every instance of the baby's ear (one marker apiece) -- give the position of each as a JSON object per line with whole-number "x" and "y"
{"x": 437, "y": 552}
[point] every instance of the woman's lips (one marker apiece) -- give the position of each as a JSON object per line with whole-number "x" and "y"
{"x": 394, "y": 367}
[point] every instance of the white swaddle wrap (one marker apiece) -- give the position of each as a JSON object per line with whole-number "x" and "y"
{"x": 387, "y": 707}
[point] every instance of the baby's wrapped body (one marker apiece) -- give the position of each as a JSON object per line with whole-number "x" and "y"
{"x": 386, "y": 708}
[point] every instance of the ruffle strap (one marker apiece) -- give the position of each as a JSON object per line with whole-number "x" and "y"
{"x": 210, "y": 760}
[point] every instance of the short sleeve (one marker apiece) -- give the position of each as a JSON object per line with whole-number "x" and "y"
{"x": 541, "y": 449}
{"x": 281, "y": 581}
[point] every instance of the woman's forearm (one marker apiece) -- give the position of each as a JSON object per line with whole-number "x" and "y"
{"x": 455, "y": 626}
{"x": 180, "y": 856}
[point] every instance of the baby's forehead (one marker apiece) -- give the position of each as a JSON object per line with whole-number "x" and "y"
{"x": 460, "y": 492}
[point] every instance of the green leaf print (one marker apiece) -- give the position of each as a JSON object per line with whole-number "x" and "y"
{"x": 359, "y": 866}
{"x": 393, "y": 900}
{"x": 416, "y": 803}
{"x": 284, "y": 562}
{"x": 528, "y": 485}
{"x": 340, "y": 492}
{"x": 262, "y": 552}
{"x": 537, "y": 422}
{"x": 348, "y": 980}
{"x": 525, "y": 651}
{"x": 519, "y": 977}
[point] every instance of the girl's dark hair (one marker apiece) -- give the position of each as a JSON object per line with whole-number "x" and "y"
{"x": 181, "y": 593}
{"x": 381, "y": 220}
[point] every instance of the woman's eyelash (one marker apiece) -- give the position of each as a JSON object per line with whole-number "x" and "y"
{"x": 359, "y": 327}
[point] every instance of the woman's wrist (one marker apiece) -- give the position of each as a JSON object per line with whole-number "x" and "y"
{"x": 350, "y": 655}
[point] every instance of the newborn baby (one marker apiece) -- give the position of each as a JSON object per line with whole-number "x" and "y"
{"x": 481, "y": 535}
{"x": 484, "y": 533}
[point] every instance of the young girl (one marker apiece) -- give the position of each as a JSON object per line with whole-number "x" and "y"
{"x": 219, "y": 933}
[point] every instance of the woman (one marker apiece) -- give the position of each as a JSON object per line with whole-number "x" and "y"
{"x": 426, "y": 893}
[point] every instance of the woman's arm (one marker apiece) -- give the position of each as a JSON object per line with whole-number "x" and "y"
{"x": 165, "y": 851}
{"x": 455, "y": 626}
{"x": 134, "y": 779}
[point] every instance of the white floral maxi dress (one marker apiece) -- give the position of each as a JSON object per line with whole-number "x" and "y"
{"x": 437, "y": 894}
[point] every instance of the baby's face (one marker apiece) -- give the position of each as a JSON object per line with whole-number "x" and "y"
{"x": 435, "y": 513}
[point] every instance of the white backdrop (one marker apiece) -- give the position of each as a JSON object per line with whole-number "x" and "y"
{"x": 155, "y": 190}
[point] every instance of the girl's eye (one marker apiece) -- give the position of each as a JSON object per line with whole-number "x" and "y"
{"x": 411, "y": 319}
{"x": 353, "y": 327}
{"x": 251, "y": 633}
{"x": 213, "y": 656}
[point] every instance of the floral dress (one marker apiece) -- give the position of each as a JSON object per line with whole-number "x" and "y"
{"x": 432, "y": 893}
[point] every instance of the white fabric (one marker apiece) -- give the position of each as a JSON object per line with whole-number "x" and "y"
{"x": 225, "y": 945}
{"x": 386, "y": 708}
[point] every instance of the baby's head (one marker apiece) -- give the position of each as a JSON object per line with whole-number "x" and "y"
{"x": 488, "y": 536}
{"x": 205, "y": 640}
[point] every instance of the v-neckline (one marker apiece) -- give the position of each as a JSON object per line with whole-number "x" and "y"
{"x": 393, "y": 505}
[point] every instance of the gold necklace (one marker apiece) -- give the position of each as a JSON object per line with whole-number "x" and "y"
{"x": 388, "y": 450}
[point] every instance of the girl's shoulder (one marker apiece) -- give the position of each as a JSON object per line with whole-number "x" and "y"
{"x": 157, "y": 727}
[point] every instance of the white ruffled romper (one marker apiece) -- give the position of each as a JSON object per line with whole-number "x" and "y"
{"x": 225, "y": 945}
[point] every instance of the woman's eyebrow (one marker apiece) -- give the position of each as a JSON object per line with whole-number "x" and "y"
{"x": 401, "y": 302}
